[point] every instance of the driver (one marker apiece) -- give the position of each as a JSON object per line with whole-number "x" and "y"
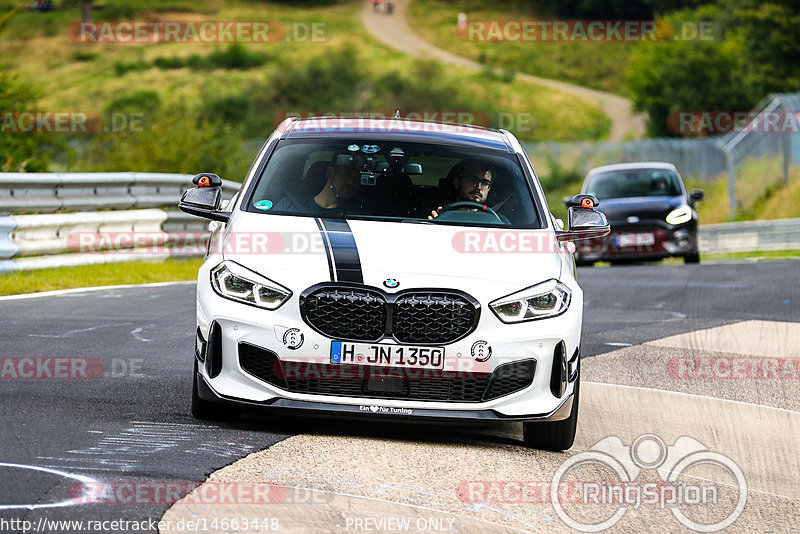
{"x": 472, "y": 183}
{"x": 342, "y": 185}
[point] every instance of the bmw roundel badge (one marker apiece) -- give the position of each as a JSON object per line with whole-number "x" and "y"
{"x": 391, "y": 283}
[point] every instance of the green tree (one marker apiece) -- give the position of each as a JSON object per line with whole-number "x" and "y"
{"x": 753, "y": 52}
{"x": 772, "y": 47}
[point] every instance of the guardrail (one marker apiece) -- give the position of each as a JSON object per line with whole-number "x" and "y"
{"x": 66, "y": 239}
{"x": 39, "y": 241}
{"x": 51, "y": 192}
{"x": 750, "y": 236}
{"x": 49, "y": 239}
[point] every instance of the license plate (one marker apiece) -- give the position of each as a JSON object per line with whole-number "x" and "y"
{"x": 635, "y": 240}
{"x": 387, "y": 355}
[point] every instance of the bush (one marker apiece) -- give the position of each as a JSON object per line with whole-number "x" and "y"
{"x": 143, "y": 100}
{"x": 235, "y": 56}
{"x": 19, "y": 152}
{"x": 82, "y": 55}
{"x": 123, "y": 67}
{"x": 176, "y": 140}
{"x": 169, "y": 63}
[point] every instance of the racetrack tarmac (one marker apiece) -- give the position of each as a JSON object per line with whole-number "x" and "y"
{"x": 129, "y": 423}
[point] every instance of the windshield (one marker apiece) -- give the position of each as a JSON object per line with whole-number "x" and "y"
{"x": 634, "y": 183}
{"x": 393, "y": 180}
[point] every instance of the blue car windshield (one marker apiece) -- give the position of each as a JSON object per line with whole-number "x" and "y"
{"x": 634, "y": 183}
{"x": 395, "y": 180}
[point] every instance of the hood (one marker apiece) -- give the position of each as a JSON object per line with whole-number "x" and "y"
{"x": 617, "y": 210}
{"x": 299, "y": 252}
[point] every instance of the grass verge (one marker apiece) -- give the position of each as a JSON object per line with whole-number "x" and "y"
{"x": 599, "y": 65}
{"x": 759, "y": 255}
{"x": 344, "y": 70}
{"x": 170, "y": 270}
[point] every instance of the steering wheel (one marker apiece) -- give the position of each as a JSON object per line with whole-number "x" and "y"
{"x": 470, "y": 204}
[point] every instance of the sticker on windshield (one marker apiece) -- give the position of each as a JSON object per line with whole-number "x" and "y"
{"x": 353, "y": 148}
{"x": 370, "y": 149}
{"x": 263, "y": 204}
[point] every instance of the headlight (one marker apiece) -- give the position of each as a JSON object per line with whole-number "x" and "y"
{"x": 547, "y": 299}
{"x": 234, "y": 282}
{"x": 680, "y": 215}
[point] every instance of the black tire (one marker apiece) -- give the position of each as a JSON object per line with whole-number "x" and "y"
{"x": 209, "y": 411}
{"x": 555, "y": 435}
{"x": 581, "y": 263}
{"x": 692, "y": 258}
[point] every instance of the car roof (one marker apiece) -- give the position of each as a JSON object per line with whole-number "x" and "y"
{"x": 398, "y": 130}
{"x": 633, "y": 166}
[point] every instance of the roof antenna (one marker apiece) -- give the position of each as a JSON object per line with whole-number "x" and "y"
{"x": 397, "y": 114}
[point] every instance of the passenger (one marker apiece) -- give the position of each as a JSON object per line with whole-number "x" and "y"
{"x": 341, "y": 188}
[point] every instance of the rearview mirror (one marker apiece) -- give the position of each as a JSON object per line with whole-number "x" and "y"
{"x": 697, "y": 194}
{"x": 412, "y": 168}
{"x": 350, "y": 160}
{"x": 204, "y": 200}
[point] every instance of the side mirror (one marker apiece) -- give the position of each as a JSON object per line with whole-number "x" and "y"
{"x": 584, "y": 222}
{"x": 204, "y": 200}
{"x": 696, "y": 194}
{"x": 583, "y": 201}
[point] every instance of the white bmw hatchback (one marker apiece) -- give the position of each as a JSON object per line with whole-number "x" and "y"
{"x": 391, "y": 269}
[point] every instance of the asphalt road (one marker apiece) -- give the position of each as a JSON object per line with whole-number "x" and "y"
{"x": 128, "y": 420}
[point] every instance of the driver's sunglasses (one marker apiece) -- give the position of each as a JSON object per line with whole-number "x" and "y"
{"x": 474, "y": 180}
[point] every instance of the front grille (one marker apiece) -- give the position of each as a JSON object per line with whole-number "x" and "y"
{"x": 346, "y": 313}
{"x": 366, "y": 314}
{"x": 354, "y": 380}
{"x": 432, "y": 318}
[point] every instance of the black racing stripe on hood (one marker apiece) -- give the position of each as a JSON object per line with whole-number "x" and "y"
{"x": 345, "y": 253}
{"x": 327, "y": 248}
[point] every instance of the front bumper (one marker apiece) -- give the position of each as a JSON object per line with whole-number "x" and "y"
{"x": 547, "y": 397}
{"x": 373, "y": 412}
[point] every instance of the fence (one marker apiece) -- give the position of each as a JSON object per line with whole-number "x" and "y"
{"x": 753, "y": 159}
